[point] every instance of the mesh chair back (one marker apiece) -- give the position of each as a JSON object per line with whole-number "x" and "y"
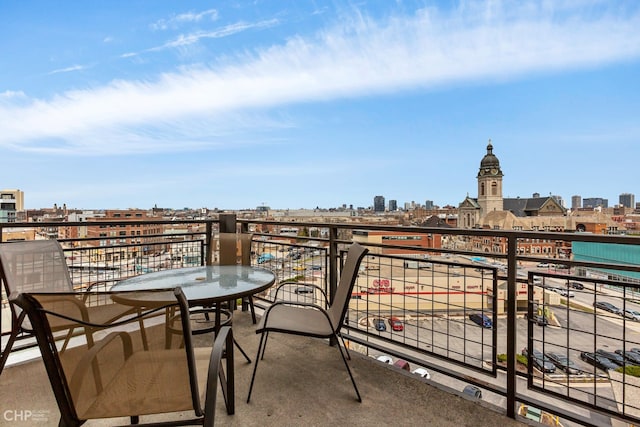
{"x": 229, "y": 245}
{"x": 245, "y": 247}
{"x": 140, "y": 364}
{"x": 348, "y": 277}
{"x": 228, "y": 248}
{"x": 34, "y": 266}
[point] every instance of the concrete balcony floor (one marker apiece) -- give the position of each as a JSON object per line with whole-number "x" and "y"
{"x": 301, "y": 381}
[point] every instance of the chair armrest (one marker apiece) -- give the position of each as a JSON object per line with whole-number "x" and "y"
{"x": 265, "y": 315}
{"x": 291, "y": 282}
{"x": 89, "y": 357}
{"x": 80, "y": 305}
{"x": 222, "y": 347}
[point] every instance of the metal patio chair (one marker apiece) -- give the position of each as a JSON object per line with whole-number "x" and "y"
{"x": 310, "y": 319}
{"x": 229, "y": 256}
{"x": 40, "y": 266}
{"x": 134, "y": 368}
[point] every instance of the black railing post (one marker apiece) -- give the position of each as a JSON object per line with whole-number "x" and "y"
{"x": 209, "y": 244}
{"x": 333, "y": 268}
{"x": 512, "y": 295}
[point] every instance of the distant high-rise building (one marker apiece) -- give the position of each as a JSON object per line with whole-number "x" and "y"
{"x": 559, "y": 199}
{"x": 428, "y": 204}
{"x": 378, "y": 204}
{"x": 594, "y": 202}
{"x": 627, "y": 200}
{"x": 576, "y": 202}
{"x": 393, "y": 205}
{"x": 11, "y": 201}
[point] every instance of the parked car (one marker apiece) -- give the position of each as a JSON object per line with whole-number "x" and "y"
{"x": 565, "y": 293}
{"x": 304, "y": 290}
{"x": 631, "y": 357}
{"x": 540, "y": 361}
{"x": 607, "y": 306}
{"x": 576, "y": 285}
{"x": 472, "y": 391}
{"x": 613, "y": 356}
{"x": 385, "y": 359}
{"x": 396, "y": 324}
{"x": 539, "y": 319}
{"x": 422, "y": 372}
{"x": 379, "y": 325}
{"x": 402, "y": 364}
{"x": 598, "y": 361}
{"x": 632, "y": 314}
{"x": 563, "y": 363}
{"x": 265, "y": 257}
{"x": 481, "y": 320}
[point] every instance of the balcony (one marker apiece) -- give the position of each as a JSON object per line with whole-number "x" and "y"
{"x": 512, "y": 277}
{"x": 290, "y": 389}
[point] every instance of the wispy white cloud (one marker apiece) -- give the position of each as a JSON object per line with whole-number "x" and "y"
{"x": 68, "y": 69}
{"x": 225, "y": 31}
{"x": 195, "y": 107}
{"x": 177, "y": 20}
{"x": 188, "y": 39}
{"x": 9, "y": 94}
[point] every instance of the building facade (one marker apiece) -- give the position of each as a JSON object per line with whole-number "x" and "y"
{"x": 11, "y": 202}
{"x": 627, "y": 200}
{"x": 378, "y": 204}
{"x": 576, "y": 202}
{"x": 594, "y": 202}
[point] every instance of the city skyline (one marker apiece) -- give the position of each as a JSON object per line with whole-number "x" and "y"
{"x": 297, "y": 105}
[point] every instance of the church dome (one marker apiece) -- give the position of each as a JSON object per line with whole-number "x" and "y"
{"x": 490, "y": 165}
{"x": 490, "y": 160}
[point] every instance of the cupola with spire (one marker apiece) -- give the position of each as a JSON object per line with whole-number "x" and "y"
{"x": 490, "y": 165}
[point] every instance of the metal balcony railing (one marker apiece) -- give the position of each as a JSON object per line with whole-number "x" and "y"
{"x": 539, "y": 293}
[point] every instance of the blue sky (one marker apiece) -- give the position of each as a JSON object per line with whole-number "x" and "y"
{"x": 298, "y": 104}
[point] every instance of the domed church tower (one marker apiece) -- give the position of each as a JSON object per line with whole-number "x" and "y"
{"x": 490, "y": 183}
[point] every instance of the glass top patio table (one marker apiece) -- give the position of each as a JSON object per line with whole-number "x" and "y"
{"x": 204, "y": 284}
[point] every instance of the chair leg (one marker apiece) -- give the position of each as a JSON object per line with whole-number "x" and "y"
{"x": 349, "y": 371}
{"x": 66, "y": 340}
{"x": 345, "y": 347}
{"x": 265, "y": 344}
{"x": 241, "y": 351}
{"x": 255, "y": 367}
{"x": 253, "y": 309}
{"x": 15, "y": 328}
{"x": 7, "y": 349}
